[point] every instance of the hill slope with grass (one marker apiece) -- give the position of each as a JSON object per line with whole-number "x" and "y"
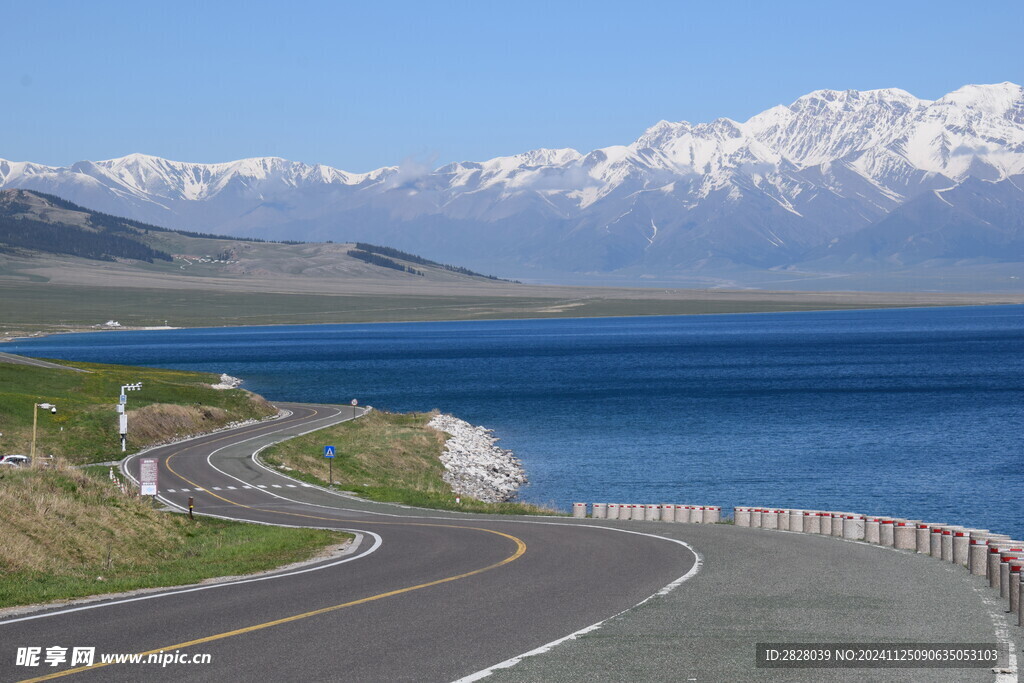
{"x": 69, "y": 534}
{"x": 385, "y": 457}
{"x": 170, "y": 404}
{"x": 35, "y": 223}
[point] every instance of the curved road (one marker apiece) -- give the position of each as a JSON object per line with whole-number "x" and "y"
{"x": 424, "y": 597}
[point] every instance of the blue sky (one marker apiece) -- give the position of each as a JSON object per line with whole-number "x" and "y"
{"x": 363, "y": 85}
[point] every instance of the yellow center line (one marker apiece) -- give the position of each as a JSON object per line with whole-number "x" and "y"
{"x": 520, "y": 550}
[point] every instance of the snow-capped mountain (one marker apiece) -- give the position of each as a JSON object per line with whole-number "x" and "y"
{"x": 843, "y": 179}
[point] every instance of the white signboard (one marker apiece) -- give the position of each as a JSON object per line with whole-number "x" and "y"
{"x": 124, "y": 423}
{"x": 149, "y": 469}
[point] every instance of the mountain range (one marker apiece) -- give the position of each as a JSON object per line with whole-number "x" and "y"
{"x": 837, "y": 182}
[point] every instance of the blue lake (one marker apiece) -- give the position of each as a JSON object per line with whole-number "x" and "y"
{"x": 914, "y": 413}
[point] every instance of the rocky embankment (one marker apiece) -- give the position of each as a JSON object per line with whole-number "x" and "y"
{"x": 227, "y": 382}
{"x": 474, "y": 465}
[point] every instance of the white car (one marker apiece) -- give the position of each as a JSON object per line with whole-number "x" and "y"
{"x": 14, "y": 460}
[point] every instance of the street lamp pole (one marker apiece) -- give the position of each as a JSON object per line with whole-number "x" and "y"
{"x": 35, "y": 420}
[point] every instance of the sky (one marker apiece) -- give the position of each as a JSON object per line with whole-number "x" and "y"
{"x": 362, "y": 85}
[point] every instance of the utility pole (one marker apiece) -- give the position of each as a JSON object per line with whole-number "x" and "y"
{"x": 123, "y": 415}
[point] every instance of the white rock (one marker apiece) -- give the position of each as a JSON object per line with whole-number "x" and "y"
{"x": 474, "y": 465}
{"x": 227, "y": 382}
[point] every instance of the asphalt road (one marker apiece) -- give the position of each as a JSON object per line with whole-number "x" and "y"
{"x": 433, "y": 596}
{"x": 427, "y": 599}
{"x": 15, "y": 359}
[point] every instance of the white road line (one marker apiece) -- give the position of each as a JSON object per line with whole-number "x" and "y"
{"x": 215, "y": 488}
{"x": 232, "y": 488}
{"x": 508, "y": 663}
{"x": 698, "y": 561}
{"x": 291, "y": 486}
{"x": 170, "y": 491}
{"x": 377, "y": 542}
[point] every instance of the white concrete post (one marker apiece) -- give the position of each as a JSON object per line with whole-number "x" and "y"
{"x": 796, "y": 520}
{"x": 922, "y": 533}
{"x": 696, "y": 514}
{"x": 961, "y": 546}
{"x": 837, "y": 523}
{"x": 812, "y": 522}
{"x": 769, "y": 519}
{"x": 783, "y": 519}
{"x": 600, "y": 511}
{"x": 825, "y": 523}
{"x": 887, "y": 533}
{"x": 946, "y": 553}
{"x": 613, "y": 511}
{"x": 1014, "y": 580}
{"x": 682, "y": 514}
{"x": 853, "y": 527}
{"x": 668, "y": 512}
{"x": 579, "y": 510}
{"x": 994, "y": 550}
{"x": 903, "y": 534}
{"x": 935, "y": 540}
{"x": 741, "y": 516}
{"x": 871, "y": 530}
{"x": 639, "y": 512}
{"x": 1020, "y": 606}
{"x": 652, "y": 513}
{"x": 712, "y": 514}
{"x": 977, "y": 553}
{"x": 1004, "y": 570}
{"x": 625, "y": 511}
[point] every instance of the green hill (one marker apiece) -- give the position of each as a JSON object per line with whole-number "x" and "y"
{"x": 171, "y": 403}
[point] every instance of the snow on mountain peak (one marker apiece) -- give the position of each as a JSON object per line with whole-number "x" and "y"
{"x": 870, "y": 149}
{"x": 994, "y": 99}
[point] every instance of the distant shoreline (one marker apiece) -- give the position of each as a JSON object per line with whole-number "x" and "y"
{"x": 11, "y": 338}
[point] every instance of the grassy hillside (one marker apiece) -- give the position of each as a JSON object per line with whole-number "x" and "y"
{"x": 384, "y": 457}
{"x": 171, "y": 403}
{"x": 68, "y": 534}
{"x": 215, "y": 280}
{"x": 33, "y": 222}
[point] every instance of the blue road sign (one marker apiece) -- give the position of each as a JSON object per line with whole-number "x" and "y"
{"x": 328, "y": 451}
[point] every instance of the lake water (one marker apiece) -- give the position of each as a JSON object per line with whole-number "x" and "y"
{"x": 914, "y": 413}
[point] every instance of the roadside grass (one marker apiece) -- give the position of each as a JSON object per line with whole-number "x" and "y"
{"x": 171, "y": 403}
{"x": 387, "y": 457}
{"x": 69, "y": 533}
